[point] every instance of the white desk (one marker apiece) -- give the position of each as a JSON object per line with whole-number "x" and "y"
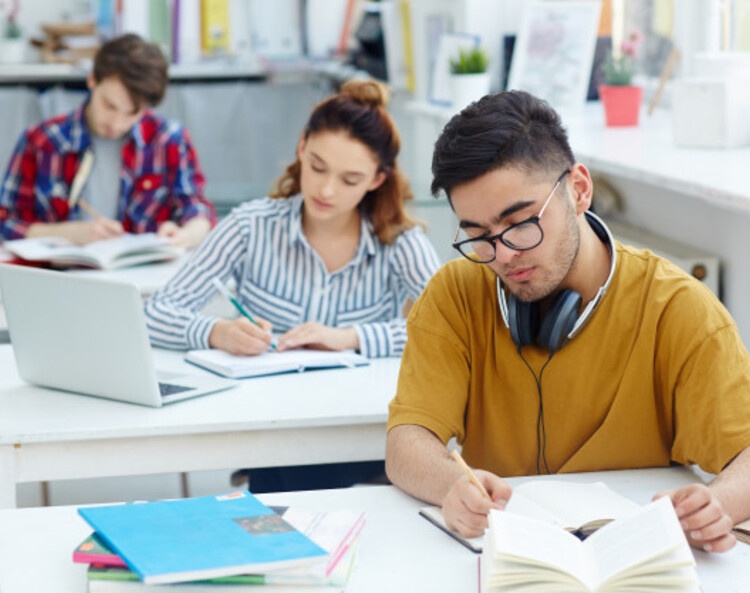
{"x": 147, "y": 278}
{"x": 301, "y": 418}
{"x": 399, "y": 550}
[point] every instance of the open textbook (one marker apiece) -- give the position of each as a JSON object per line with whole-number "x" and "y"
{"x": 120, "y": 252}
{"x": 645, "y": 551}
{"x": 580, "y": 508}
{"x": 272, "y": 363}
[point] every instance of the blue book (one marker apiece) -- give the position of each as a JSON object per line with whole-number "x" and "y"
{"x": 201, "y": 538}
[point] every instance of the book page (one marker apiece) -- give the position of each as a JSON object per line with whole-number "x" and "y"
{"x": 521, "y": 546}
{"x": 334, "y": 531}
{"x": 43, "y": 248}
{"x": 639, "y": 543}
{"x": 569, "y": 504}
{"x": 677, "y": 580}
{"x": 331, "y": 530}
{"x": 521, "y": 504}
{"x": 108, "y": 250}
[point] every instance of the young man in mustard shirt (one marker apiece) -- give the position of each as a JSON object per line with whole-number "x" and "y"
{"x": 550, "y": 347}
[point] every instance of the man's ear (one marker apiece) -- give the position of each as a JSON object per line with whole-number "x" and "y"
{"x": 90, "y": 81}
{"x": 582, "y": 188}
{"x": 377, "y": 181}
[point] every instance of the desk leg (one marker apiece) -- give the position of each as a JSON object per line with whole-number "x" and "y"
{"x": 7, "y": 478}
{"x": 44, "y": 493}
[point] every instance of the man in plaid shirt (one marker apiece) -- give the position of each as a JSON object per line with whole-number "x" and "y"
{"x": 139, "y": 171}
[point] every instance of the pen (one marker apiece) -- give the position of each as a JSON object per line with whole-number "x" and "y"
{"x": 79, "y": 182}
{"x": 470, "y": 474}
{"x": 86, "y": 207}
{"x": 81, "y": 177}
{"x": 237, "y": 305}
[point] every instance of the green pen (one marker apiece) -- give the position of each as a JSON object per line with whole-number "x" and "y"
{"x": 237, "y": 305}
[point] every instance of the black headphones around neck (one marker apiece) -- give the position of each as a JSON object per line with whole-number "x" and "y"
{"x": 561, "y": 322}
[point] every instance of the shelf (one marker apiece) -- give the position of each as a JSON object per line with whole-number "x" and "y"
{"x": 42, "y": 74}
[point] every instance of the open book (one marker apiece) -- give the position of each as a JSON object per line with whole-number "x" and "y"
{"x": 645, "y": 551}
{"x": 272, "y": 363}
{"x": 580, "y": 508}
{"x": 120, "y": 252}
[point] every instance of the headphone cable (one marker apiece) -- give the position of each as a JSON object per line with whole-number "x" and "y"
{"x": 541, "y": 431}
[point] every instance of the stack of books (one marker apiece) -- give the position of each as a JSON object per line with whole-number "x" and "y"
{"x": 232, "y": 543}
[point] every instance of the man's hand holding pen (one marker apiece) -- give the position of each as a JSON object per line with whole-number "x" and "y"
{"x": 470, "y": 498}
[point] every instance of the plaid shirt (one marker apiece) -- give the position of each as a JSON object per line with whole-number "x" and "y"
{"x": 160, "y": 178}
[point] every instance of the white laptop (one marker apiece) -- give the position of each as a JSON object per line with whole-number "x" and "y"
{"x": 88, "y": 335}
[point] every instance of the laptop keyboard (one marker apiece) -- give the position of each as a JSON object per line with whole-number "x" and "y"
{"x": 167, "y": 389}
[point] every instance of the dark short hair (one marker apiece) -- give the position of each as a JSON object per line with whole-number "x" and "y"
{"x": 140, "y": 66}
{"x": 512, "y": 128}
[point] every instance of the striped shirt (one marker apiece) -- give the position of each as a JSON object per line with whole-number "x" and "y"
{"x": 160, "y": 178}
{"x": 281, "y": 278}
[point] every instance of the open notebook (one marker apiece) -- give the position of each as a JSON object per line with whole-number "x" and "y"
{"x": 272, "y": 362}
{"x": 88, "y": 335}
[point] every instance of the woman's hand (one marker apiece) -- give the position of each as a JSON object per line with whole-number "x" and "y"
{"x": 240, "y": 336}
{"x": 319, "y": 337}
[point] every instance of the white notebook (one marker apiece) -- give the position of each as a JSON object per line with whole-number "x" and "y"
{"x": 271, "y": 362}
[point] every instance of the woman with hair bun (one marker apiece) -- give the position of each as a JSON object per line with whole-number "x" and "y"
{"x": 327, "y": 261}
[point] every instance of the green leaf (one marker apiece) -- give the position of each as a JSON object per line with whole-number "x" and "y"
{"x": 618, "y": 71}
{"x": 470, "y": 61}
{"x": 12, "y": 30}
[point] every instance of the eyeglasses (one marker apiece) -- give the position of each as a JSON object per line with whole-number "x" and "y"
{"x": 522, "y": 236}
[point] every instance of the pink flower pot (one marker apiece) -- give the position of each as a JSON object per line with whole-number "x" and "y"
{"x": 622, "y": 104}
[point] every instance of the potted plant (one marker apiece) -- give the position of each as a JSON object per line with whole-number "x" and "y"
{"x": 470, "y": 79}
{"x": 620, "y": 97}
{"x": 12, "y": 45}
